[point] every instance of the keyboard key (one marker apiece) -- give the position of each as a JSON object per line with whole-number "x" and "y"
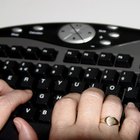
{"x": 113, "y": 90}
{"x": 3, "y": 50}
{"x": 77, "y": 86}
{"x": 15, "y": 52}
{"x": 106, "y": 59}
{"x": 11, "y": 80}
{"x": 42, "y": 69}
{"x": 75, "y": 72}
{"x": 54, "y": 99}
{"x": 48, "y": 54}
{"x": 57, "y": 97}
{"x": 28, "y": 112}
{"x": 131, "y": 94}
{"x": 89, "y": 58}
{"x": 72, "y": 56}
{"x": 32, "y": 53}
{"x": 26, "y": 68}
{"x": 26, "y": 82}
{"x": 92, "y": 74}
{"x": 127, "y": 78}
{"x": 9, "y": 67}
{"x": 58, "y": 71}
{"x": 45, "y": 115}
{"x": 44, "y": 84}
{"x": 109, "y": 76}
{"x": 60, "y": 86}
{"x": 42, "y": 98}
{"x": 96, "y": 85}
{"x": 123, "y": 60}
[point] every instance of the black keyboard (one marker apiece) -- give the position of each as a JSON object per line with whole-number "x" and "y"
{"x": 55, "y": 59}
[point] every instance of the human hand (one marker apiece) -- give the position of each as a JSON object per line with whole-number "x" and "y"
{"x": 81, "y": 113}
{"x": 77, "y": 117}
{"x": 9, "y": 100}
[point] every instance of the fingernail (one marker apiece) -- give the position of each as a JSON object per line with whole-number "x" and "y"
{"x": 17, "y": 124}
{"x": 131, "y": 105}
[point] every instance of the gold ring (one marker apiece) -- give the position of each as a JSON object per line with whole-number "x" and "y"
{"x": 110, "y": 121}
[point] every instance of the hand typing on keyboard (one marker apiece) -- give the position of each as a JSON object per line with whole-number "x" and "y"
{"x": 86, "y": 116}
{"x": 9, "y": 100}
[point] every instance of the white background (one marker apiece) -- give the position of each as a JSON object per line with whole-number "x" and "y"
{"x": 117, "y": 12}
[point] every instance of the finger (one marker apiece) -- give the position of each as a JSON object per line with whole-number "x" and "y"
{"x": 4, "y": 87}
{"x": 10, "y": 101}
{"x": 111, "y": 107}
{"x": 25, "y": 131}
{"x": 89, "y": 108}
{"x": 131, "y": 126}
{"x": 65, "y": 110}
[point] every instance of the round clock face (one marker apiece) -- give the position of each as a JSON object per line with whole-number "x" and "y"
{"x": 76, "y": 33}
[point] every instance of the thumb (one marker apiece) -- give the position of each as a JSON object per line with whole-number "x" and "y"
{"x": 25, "y": 131}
